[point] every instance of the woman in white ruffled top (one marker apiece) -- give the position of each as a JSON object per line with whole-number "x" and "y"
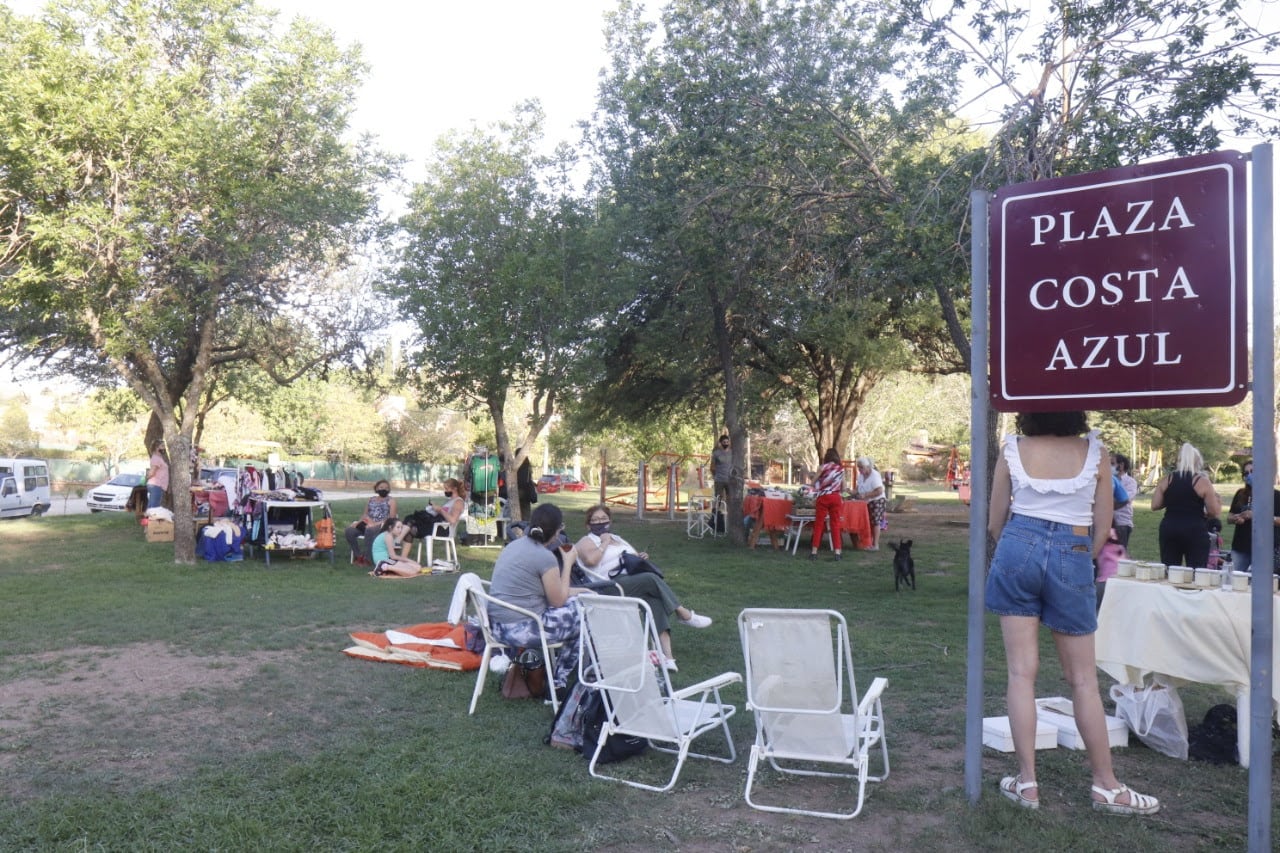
{"x": 600, "y": 556}
{"x": 1051, "y": 505}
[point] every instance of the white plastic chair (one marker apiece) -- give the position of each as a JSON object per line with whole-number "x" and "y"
{"x": 479, "y": 602}
{"x": 448, "y": 537}
{"x": 621, "y": 657}
{"x": 801, "y": 689}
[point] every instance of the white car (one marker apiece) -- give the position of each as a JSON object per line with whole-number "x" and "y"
{"x": 113, "y": 494}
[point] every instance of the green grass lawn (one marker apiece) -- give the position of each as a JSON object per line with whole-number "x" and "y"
{"x": 149, "y": 706}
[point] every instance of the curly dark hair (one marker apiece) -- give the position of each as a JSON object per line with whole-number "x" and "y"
{"x": 1053, "y": 423}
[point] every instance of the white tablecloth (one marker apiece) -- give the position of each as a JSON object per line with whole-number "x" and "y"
{"x": 1201, "y": 636}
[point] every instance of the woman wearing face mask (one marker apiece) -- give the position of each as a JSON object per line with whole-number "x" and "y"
{"x": 380, "y": 507}
{"x": 600, "y": 553}
{"x": 450, "y": 511}
{"x": 1241, "y": 515}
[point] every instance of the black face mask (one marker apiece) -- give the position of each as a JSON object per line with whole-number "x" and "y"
{"x": 448, "y": 494}
{"x": 382, "y": 493}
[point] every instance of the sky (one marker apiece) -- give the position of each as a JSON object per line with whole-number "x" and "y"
{"x": 437, "y": 65}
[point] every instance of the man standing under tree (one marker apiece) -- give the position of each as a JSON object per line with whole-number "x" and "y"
{"x": 722, "y": 469}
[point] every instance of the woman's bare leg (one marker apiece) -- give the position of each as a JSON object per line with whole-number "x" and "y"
{"x": 1079, "y": 667}
{"x": 1022, "y": 653}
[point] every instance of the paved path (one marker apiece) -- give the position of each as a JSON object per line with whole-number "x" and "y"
{"x": 410, "y": 498}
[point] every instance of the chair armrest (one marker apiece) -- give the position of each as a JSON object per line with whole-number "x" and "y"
{"x": 872, "y": 695}
{"x": 712, "y": 683}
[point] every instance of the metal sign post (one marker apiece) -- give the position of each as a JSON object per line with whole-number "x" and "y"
{"x": 1127, "y": 288}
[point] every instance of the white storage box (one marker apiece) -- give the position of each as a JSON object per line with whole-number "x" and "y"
{"x": 996, "y": 734}
{"x": 1058, "y": 712}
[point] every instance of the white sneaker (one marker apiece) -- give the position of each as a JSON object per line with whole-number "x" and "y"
{"x": 670, "y": 665}
{"x": 696, "y": 621}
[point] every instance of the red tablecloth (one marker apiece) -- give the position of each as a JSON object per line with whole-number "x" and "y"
{"x": 856, "y": 520}
{"x": 771, "y": 514}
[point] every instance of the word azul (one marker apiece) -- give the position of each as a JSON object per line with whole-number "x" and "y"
{"x": 1098, "y": 348}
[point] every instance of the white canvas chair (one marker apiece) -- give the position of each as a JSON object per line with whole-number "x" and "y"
{"x": 621, "y": 657}
{"x": 479, "y": 601}
{"x": 699, "y": 514}
{"x": 801, "y": 689}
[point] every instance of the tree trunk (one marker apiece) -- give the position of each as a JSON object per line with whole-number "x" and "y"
{"x": 732, "y": 420}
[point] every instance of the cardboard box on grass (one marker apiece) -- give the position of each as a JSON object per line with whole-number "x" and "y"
{"x": 997, "y": 735}
{"x": 1058, "y": 712}
{"x": 159, "y": 530}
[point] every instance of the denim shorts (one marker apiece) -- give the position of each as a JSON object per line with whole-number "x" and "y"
{"x": 1044, "y": 569}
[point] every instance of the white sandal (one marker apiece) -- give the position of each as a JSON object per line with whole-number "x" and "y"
{"x": 1139, "y": 804}
{"x": 1012, "y": 788}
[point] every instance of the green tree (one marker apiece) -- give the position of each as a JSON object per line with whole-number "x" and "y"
{"x": 111, "y": 422}
{"x": 1091, "y": 85}
{"x": 769, "y": 168}
{"x": 175, "y": 185}
{"x": 17, "y": 438}
{"x": 495, "y": 276}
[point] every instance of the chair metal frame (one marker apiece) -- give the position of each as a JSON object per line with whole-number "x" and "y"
{"x": 622, "y": 658}
{"x": 700, "y": 513}
{"x": 479, "y": 601}
{"x": 844, "y": 732}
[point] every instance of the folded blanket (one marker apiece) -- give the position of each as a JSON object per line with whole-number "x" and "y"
{"x": 437, "y": 645}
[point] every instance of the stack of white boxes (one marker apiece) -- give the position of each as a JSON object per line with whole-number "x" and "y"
{"x": 1055, "y": 726}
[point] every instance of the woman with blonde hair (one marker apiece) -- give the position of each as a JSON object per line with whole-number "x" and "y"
{"x": 1189, "y": 501}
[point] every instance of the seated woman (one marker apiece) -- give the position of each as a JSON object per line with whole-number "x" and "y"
{"x": 386, "y": 559}
{"x": 380, "y": 508}
{"x": 600, "y": 553}
{"x": 447, "y": 514}
{"x": 533, "y": 572}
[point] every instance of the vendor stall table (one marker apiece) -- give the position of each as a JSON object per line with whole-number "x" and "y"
{"x": 299, "y": 516}
{"x": 1190, "y": 635}
{"x": 774, "y": 516}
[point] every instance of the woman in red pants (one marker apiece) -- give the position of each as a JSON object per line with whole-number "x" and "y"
{"x": 829, "y": 504}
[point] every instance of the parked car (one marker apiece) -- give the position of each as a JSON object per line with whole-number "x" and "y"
{"x": 113, "y": 494}
{"x": 572, "y": 484}
{"x": 549, "y": 483}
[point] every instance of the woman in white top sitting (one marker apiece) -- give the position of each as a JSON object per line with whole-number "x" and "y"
{"x": 600, "y": 556}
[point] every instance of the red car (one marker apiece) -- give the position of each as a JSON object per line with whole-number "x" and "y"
{"x": 550, "y": 483}
{"x": 572, "y": 484}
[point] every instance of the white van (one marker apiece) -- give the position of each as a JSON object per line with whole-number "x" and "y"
{"x": 24, "y": 487}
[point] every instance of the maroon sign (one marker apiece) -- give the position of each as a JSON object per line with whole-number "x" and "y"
{"x": 1121, "y": 289}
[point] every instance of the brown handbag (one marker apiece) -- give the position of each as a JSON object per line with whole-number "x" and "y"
{"x": 526, "y": 677}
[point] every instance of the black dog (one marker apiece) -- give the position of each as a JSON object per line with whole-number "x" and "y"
{"x": 904, "y": 568}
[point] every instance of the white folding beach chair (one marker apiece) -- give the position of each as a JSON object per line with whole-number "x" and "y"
{"x": 621, "y": 657}
{"x": 479, "y": 603}
{"x": 801, "y": 689}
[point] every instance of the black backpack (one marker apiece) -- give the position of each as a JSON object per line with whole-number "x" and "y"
{"x": 1214, "y": 740}
{"x": 617, "y": 747}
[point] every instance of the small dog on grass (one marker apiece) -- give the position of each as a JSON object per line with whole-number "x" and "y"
{"x": 904, "y": 568}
